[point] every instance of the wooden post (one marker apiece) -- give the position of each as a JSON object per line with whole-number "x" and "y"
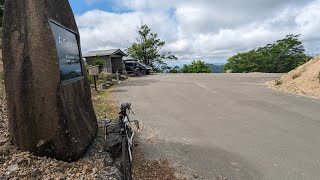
{"x": 94, "y": 71}
{"x": 117, "y": 74}
{"x": 95, "y": 83}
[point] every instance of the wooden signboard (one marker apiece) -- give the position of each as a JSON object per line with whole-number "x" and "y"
{"x": 93, "y": 71}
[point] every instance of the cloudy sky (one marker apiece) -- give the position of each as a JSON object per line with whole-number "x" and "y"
{"x": 210, "y": 30}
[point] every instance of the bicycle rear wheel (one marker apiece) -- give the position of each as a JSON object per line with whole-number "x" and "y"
{"x": 126, "y": 163}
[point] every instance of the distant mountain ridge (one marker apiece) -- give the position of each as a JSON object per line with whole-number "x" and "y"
{"x": 216, "y": 68}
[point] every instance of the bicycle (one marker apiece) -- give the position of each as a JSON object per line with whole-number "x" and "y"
{"x": 127, "y": 138}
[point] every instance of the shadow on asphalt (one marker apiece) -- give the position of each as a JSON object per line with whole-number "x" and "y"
{"x": 214, "y": 163}
{"x": 140, "y": 82}
{"x": 118, "y": 90}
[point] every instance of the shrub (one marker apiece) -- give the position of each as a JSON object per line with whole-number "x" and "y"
{"x": 90, "y": 79}
{"x": 278, "y": 82}
{"x": 106, "y": 76}
{"x": 98, "y": 61}
{"x": 174, "y": 70}
{"x": 295, "y": 76}
{"x": 196, "y": 67}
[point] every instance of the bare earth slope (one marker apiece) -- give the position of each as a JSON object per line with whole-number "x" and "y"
{"x": 304, "y": 80}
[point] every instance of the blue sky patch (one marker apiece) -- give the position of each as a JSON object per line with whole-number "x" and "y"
{"x": 81, "y": 6}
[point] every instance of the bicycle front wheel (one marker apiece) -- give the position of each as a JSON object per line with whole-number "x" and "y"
{"x": 126, "y": 162}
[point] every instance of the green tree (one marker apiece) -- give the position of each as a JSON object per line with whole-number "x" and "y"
{"x": 279, "y": 57}
{"x": 185, "y": 69}
{"x": 98, "y": 61}
{"x": 174, "y": 70}
{"x": 148, "y": 48}
{"x": 196, "y": 67}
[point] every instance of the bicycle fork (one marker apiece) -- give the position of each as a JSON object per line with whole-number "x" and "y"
{"x": 130, "y": 143}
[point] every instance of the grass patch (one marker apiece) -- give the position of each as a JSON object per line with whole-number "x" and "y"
{"x": 91, "y": 79}
{"x": 278, "y": 82}
{"x": 105, "y": 104}
{"x": 295, "y": 76}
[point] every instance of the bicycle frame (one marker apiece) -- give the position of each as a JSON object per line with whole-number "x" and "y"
{"x": 124, "y": 122}
{"x": 127, "y": 136}
{"x": 129, "y": 140}
{"x": 124, "y": 118}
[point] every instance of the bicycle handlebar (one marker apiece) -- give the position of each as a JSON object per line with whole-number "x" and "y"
{"x": 125, "y": 106}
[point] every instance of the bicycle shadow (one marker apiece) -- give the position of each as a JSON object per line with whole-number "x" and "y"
{"x": 204, "y": 161}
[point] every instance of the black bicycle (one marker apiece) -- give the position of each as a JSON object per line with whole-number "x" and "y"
{"x": 127, "y": 138}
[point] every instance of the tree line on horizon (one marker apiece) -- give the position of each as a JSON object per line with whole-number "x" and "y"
{"x": 195, "y": 67}
{"x": 280, "y": 57}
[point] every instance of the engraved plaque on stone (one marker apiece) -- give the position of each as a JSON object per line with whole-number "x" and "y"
{"x": 68, "y": 52}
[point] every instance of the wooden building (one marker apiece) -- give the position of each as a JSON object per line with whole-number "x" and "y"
{"x": 112, "y": 59}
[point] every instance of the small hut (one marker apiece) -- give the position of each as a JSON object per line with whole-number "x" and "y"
{"x": 112, "y": 59}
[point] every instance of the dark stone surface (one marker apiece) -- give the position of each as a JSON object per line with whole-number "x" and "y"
{"x": 45, "y": 116}
{"x": 108, "y": 161}
{"x": 114, "y": 141}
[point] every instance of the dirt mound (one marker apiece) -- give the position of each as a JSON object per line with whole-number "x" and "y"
{"x": 304, "y": 80}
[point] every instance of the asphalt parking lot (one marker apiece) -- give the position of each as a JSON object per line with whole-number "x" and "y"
{"x": 226, "y": 125}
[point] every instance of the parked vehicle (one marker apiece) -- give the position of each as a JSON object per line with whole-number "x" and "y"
{"x": 137, "y": 68}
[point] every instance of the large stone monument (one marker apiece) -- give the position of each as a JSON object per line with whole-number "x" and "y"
{"x": 48, "y": 96}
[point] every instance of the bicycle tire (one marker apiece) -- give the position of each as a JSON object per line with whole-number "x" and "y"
{"x": 126, "y": 163}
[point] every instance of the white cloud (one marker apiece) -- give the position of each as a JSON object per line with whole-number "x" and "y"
{"x": 101, "y": 30}
{"x": 308, "y": 22}
{"x": 203, "y": 29}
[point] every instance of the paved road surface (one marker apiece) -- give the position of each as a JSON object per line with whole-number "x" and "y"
{"x": 227, "y": 125}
